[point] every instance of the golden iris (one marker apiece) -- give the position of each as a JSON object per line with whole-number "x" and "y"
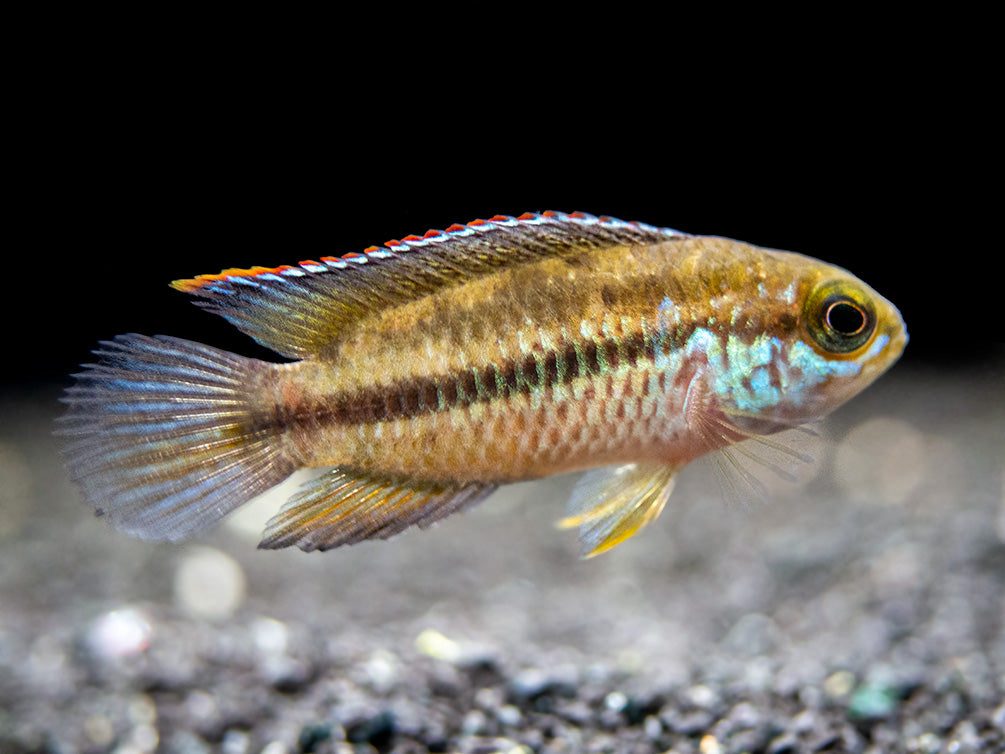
{"x": 839, "y": 317}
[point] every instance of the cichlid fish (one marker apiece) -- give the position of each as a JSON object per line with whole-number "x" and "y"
{"x": 432, "y": 369}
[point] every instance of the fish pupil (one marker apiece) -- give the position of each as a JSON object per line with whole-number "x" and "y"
{"x": 845, "y": 317}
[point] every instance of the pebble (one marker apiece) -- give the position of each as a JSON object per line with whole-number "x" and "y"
{"x": 235, "y": 742}
{"x": 652, "y": 727}
{"x": 786, "y": 743}
{"x": 839, "y": 684}
{"x": 474, "y": 723}
{"x": 702, "y": 696}
{"x": 209, "y": 584}
{"x": 689, "y": 724}
{"x": 616, "y": 701}
{"x": 509, "y": 715}
{"x": 530, "y": 683}
{"x": 874, "y": 700}
{"x": 120, "y": 633}
{"x": 376, "y": 729}
{"x": 999, "y": 715}
{"x": 882, "y": 632}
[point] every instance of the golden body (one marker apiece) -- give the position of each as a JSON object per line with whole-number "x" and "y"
{"x": 487, "y": 363}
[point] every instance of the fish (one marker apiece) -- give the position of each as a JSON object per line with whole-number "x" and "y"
{"x": 425, "y": 373}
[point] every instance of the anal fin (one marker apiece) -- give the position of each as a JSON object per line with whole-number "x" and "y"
{"x": 341, "y": 507}
{"x": 609, "y": 505}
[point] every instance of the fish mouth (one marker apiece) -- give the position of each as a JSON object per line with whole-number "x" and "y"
{"x": 888, "y": 344}
{"x": 897, "y": 332}
{"x": 899, "y": 342}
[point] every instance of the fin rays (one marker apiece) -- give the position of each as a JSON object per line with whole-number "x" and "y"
{"x": 610, "y": 505}
{"x": 742, "y": 452}
{"x": 298, "y": 310}
{"x": 342, "y": 508}
{"x": 159, "y": 436}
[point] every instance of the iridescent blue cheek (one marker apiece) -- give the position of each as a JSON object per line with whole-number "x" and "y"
{"x": 804, "y": 370}
{"x": 767, "y": 372}
{"x": 740, "y": 372}
{"x": 815, "y": 368}
{"x": 761, "y": 387}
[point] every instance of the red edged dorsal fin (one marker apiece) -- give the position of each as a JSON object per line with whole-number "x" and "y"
{"x": 297, "y": 310}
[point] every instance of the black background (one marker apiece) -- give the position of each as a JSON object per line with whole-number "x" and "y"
{"x": 122, "y": 188}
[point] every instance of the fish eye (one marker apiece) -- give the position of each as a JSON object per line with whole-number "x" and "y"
{"x": 840, "y": 318}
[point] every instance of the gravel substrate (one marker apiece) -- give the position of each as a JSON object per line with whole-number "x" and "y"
{"x": 861, "y": 611}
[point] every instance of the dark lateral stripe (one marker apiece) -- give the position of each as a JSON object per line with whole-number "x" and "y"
{"x": 425, "y": 395}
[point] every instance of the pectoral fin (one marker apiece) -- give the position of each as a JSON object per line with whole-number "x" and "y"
{"x": 753, "y": 457}
{"x": 609, "y": 505}
{"x": 342, "y": 508}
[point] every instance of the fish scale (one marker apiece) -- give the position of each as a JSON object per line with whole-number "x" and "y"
{"x": 434, "y": 368}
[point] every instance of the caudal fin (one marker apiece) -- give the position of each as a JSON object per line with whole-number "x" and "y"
{"x": 166, "y": 436}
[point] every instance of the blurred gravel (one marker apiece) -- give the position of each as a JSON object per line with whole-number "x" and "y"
{"x": 861, "y": 611}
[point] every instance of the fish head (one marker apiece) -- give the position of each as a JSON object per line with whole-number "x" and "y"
{"x": 833, "y": 337}
{"x": 789, "y": 338}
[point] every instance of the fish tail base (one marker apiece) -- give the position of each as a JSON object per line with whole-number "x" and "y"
{"x": 165, "y": 437}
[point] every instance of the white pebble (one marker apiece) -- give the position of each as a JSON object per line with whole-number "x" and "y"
{"x": 652, "y": 727}
{"x": 382, "y": 671}
{"x": 701, "y": 695}
{"x": 209, "y": 584}
{"x": 119, "y": 633}
{"x": 145, "y": 737}
{"x": 616, "y": 701}
{"x": 509, "y": 715}
{"x": 235, "y": 742}
{"x": 270, "y": 636}
{"x": 434, "y": 644}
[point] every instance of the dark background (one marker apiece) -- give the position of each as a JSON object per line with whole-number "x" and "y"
{"x": 126, "y": 181}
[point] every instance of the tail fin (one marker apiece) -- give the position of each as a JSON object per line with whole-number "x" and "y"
{"x": 163, "y": 438}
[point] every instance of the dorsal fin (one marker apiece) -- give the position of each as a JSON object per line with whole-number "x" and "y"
{"x": 296, "y": 310}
